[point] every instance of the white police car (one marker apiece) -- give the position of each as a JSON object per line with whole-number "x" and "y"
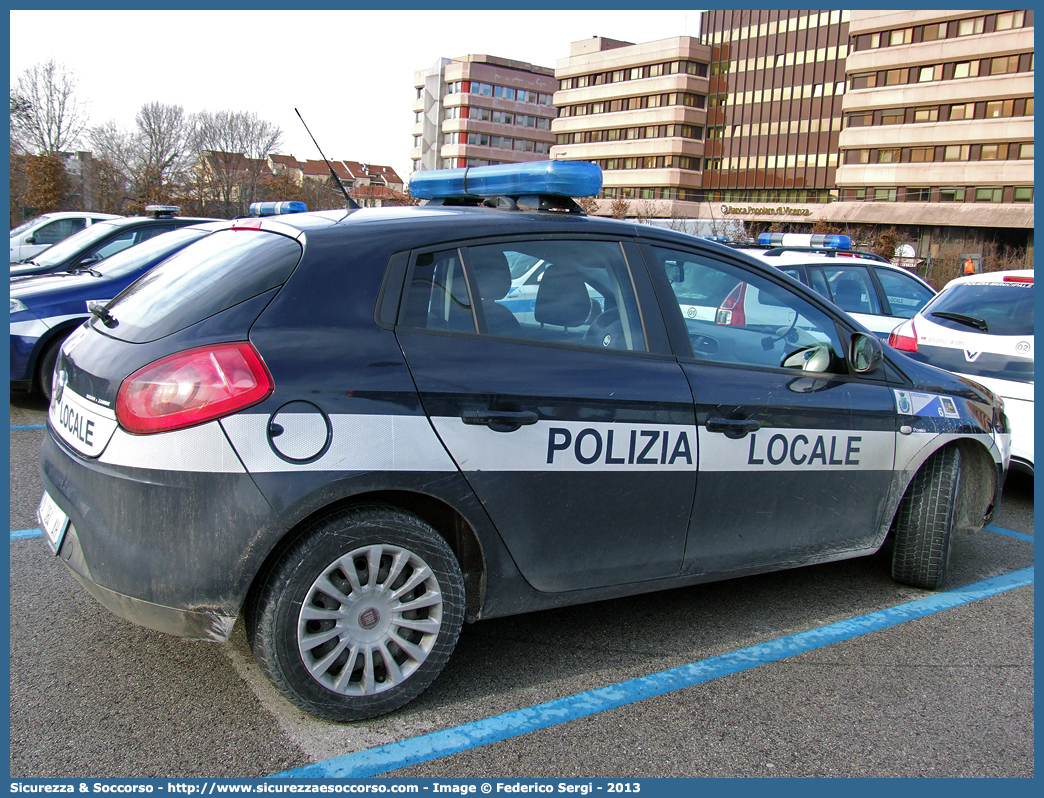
{"x": 331, "y": 424}
{"x": 878, "y": 294}
{"x": 981, "y": 326}
{"x": 34, "y": 236}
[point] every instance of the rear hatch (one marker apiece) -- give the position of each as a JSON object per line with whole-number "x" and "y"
{"x": 208, "y": 294}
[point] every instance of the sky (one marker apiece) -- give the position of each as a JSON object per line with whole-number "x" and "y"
{"x": 350, "y": 73}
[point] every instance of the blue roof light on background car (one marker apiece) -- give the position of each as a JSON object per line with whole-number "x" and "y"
{"x": 560, "y": 178}
{"x": 276, "y": 208}
{"x": 804, "y": 240}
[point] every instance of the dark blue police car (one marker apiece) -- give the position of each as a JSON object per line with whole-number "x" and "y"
{"x": 103, "y": 239}
{"x": 47, "y": 307}
{"x": 332, "y": 424}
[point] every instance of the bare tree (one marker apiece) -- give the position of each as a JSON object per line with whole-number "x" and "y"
{"x": 50, "y": 118}
{"x": 233, "y": 148}
{"x": 619, "y": 208}
{"x": 159, "y": 154}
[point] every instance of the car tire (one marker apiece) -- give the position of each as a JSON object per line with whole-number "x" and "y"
{"x": 45, "y": 370}
{"x": 332, "y": 635}
{"x": 925, "y": 520}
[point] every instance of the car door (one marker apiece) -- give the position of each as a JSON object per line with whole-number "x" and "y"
{"x": 50, "y": 233}
{"x": 573, "y": 424}
{"x": 795, "y": 454}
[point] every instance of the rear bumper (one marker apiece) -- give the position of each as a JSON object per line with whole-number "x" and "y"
{"x": 174, "y": 551}
{"x": 212, "y": 626}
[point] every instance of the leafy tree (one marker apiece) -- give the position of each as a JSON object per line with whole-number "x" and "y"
{"x": 47, "y": 183}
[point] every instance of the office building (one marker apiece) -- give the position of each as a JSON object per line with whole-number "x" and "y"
{"x": 774, "y": 119}
{"x": 640, "y": 112}
{"x": 479, "y": 110}
{"x": 938, "y": 132}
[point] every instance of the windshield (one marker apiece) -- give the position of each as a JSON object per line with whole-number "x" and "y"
{"x": 26, "y": 225}
{"x": 66, "y": 249}
{"x": 1006, "y": 308}
{"x": 150, "y": 252}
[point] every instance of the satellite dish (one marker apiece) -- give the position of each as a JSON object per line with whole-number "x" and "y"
{"x": 905, "y": 251}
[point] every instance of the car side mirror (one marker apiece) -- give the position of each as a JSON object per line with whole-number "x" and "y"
{"x": 865, "y": 352}
{"x": 30, "y": 240}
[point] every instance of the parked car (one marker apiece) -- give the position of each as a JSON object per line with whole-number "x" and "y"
{"x": 46, "y": 308}
{"x": 331, "y": 424}
{"x": 874, "y": 291}
{"x": 34, "y": 236}
{"x": 981, "y": 327}
{"x": 103, "y": 239}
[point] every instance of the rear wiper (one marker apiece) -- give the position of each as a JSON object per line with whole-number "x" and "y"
{"x": 962, "y": 318}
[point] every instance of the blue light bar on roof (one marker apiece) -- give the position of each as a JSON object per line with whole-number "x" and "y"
{"x": 276, "y": 208}
{"x": 562, "y": 178}
{"x": 804, "y": 240}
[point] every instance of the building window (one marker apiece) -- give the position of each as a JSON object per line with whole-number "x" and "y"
{"x": 1026, "y": 150}
{"x": 993, "y": 152}
{"x": 968, "y": 69}
{"x": 933, "y": 32}
{"x": 918, "y": 194}
{"x": 884, "y": 194}
{"x": 889, "y": 156}
{"x": 1023, "y": 194}
{"x": 1013, "y": 19}
{"x": 969, "y": 27}
{"x": 895, "y": 77}
{"x": 957, "y": 152}
{"x": 988, "y": 194}
{"x": 999, "y": 108}
{"x": 904, "y": 36}
{"x": 951, "y": 195}
{"x": 857, "y": 156}
{"x": 867, "y": 81}
{"x": 929, "y": 73}
{"x": 894, "y": 116}
{"x": 1004, "y": 65}
{"x": 963, "y": 111}
{"x": 926, "y": 114}
{"x": 922, "y": 154}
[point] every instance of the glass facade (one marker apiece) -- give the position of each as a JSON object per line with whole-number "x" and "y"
{"x": 776, "y": 87}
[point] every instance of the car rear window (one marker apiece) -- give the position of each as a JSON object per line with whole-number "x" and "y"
{"x": 205, "y": 278}
{"x": 1006, "y": 308}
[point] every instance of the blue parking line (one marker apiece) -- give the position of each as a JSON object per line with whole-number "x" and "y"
{"x": 439, "y": 744}
{"x": 29, "y": 426}
{"x": 22, "y": 534}
{"x": 1010, "y": 533}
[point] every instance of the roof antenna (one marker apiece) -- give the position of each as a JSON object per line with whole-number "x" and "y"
{"x": 349, "y": 203}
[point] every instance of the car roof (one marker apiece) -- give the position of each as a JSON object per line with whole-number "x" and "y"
{"x": 989, "y": 277}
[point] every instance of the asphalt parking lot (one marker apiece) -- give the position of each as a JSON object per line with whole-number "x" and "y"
{"x": 946, "y": 694}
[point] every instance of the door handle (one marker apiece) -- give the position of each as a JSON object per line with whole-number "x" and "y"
{"x": 733, "y": 427}
{"x": 500, "y": 420}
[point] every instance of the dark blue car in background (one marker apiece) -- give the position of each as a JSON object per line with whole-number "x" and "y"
{"x": 46, "y": 308}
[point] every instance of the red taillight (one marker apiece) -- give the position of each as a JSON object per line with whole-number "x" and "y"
{"x": 191, "y": 387}
{"x": 730, "y": 313}
{"x": 1017, "y": 278}
{"x": 904, "y": 343}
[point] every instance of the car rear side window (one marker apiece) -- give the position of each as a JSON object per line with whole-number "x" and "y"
{"x": 205, "y": 278}
{"x": 905, "y": 295}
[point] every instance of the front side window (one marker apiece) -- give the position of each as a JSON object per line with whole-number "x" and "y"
{"x": 55, "y": 231}
{"x": 742, "y": 318}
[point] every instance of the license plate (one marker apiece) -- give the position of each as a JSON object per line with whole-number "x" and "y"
{"x": 53, "y": 522}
